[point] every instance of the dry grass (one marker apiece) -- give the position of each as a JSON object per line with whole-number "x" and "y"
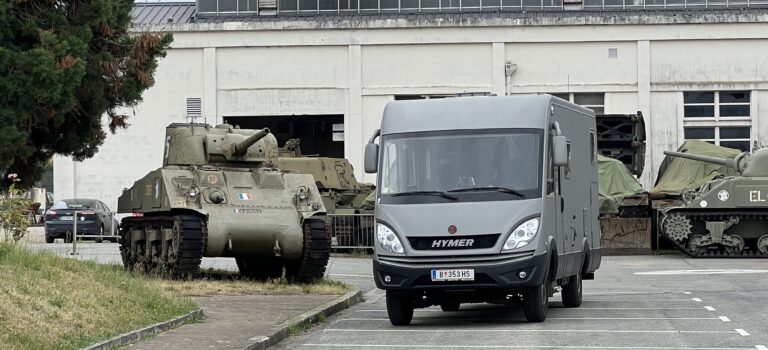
{"x": 50, "y": 302}
{"x": 215, "y": 282}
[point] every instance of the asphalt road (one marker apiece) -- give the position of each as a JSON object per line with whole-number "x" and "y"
{"x": 635, "y": 302}
{"x": 643, "y": 302}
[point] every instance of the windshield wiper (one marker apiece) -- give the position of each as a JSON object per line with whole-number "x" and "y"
{"x": 426, "y": 193}
{"x": 490, "y": 188}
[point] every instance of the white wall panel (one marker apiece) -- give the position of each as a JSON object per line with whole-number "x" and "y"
{"x": 309, "y": 66}
{"x": 561, "y": 67}
{"x": 428, "y": 66}
{"x": 727, "y": 63}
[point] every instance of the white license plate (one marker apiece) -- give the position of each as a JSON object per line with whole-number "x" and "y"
{"x": 66, "y": 218}
{"x": 453, "y": 275}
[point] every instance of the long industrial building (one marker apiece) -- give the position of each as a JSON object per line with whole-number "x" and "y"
{"x": 323, "y": 70}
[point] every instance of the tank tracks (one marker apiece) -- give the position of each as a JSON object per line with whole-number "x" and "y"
{"x": 169, "y": 246}
{"x": 315, "y": 253}
{"x": 682, "y": 242}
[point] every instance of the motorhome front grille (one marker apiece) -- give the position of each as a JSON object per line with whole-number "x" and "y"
{"x": 454, "y": 242}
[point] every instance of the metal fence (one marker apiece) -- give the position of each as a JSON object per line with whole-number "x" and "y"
{"x": 352, "y": 231}
{"x": 314, "y": 7}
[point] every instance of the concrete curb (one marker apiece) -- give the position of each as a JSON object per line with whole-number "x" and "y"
{"x": 307, "y": 318}
{"x": 136, "y": 335}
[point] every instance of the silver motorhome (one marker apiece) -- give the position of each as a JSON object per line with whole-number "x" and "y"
{"x": 484, "y": 199}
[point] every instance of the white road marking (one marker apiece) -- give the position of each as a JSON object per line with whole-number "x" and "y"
{"x": 702, "y": 272}
{"x": 629, "y": 301}
{"x": 337, "y": 345}
{"x": 741, "y": 331}
{"x": 697, "y": 300}
{"x": 724, "y": 318}
{"x": 453, "y": 330}
{"x": 348, "y": 275}
{"x": 550, "y": 318}
{"x": 709, "y": 308}
{"x": 259, "y": 338}
{"x": 761, "y": 347}
{"x": 630, "y": 293}
{"x": 639, "y": 308}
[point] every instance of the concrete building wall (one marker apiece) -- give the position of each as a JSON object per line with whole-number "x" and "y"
{"x": 255, "y": 69}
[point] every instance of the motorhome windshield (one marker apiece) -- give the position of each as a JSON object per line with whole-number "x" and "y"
{"x": 461, "y": 165}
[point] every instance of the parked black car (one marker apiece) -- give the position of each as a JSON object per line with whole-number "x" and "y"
{"x": 93, "y": 218}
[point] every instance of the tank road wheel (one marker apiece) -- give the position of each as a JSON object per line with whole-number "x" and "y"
{"x": 169, "y": 246}
{"x": 677, "y": 227}
{"x": 737, "y": 245}
{"x": 315, "y": 254}
{"x": 260, "y": 268}
{"x": 694, "y": 244}
{"x": 536, "y": 302}
{"x": 399, "y": 308}
{"x": 572, "y": 292}
{"x": 762, "y": 244}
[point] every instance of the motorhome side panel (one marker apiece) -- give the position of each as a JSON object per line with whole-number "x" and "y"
{"x": 579, "y": 210}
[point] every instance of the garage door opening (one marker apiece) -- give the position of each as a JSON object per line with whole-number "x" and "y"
{"x": 321, "y": 135}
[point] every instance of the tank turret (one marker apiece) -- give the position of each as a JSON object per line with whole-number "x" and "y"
{"x": 219, "y": 194}
{"x": 748, "y": 164}
{"x": 199, "y": 144}
{"x": 727, "y": 216}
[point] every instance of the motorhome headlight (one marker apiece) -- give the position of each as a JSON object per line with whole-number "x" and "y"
{"x": 522, "y": 234}
{"x": 388, "y": 239}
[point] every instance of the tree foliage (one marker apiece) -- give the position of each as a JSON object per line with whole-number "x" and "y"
{"x": 65, "y": 68}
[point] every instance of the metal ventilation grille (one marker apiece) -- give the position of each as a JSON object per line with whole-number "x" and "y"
{"x": 267, "y": 4}
{"x": 194, "y": 107}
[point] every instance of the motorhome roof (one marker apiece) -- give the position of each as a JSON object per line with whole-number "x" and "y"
{"x": 484, "y": 112}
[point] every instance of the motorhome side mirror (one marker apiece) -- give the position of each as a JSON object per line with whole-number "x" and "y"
{"x": 559, "y": 151}
{"x": 371, "y": 160}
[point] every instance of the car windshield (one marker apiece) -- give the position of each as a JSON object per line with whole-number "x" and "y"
{"x": 469, "y": 165}
{"x": 74, "y": 204}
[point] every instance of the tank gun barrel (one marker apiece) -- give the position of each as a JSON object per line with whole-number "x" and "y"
{"x": 240, "y": 148}
{"x": 731, "y": 163}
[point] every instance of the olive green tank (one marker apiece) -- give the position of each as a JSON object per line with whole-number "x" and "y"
{"x": 343, "y": 196}
{"x": 219, "y": 193}
{"x": 728, "y": 215}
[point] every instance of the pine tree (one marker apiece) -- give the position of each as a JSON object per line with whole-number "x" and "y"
{"x": 66, "y": 66}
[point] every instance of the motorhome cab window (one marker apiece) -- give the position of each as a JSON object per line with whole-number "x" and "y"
{"x": 461, "y": 165}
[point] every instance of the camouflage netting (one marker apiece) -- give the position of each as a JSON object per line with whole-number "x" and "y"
{"x": 676, "y": 175}
{"x": 614, "y": 183}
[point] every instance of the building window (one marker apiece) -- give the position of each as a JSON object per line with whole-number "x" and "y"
{"x": 718, "y": 117}
{"x": 592, "y": 100}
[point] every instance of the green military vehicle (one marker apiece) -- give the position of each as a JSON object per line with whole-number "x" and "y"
{"x": 725, "y": 212}
{"x": 220, "y": 194}
{"x": 349, "y": 213}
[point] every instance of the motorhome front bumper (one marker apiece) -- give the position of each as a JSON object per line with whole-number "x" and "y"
{"x": 502, "y": 271}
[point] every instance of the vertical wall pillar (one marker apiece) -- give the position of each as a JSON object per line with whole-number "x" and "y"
{"x": 644, "y": 104}
{"x": 210, "y": 112}
{"x": 353, "y": 119}
{"x": 499, "y": 78}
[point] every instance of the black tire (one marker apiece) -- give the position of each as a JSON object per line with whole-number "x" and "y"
{"x": 450, "y": 306}
{"x": 536, "y": 302}
{"x": 572, "y": 292}
{"x": 101, "y": 233}
{"x": 68, "y": 237}
{"x": 399, "y": 308}
{"x": 49, "y": 239}
{"x": 260, "y": 268}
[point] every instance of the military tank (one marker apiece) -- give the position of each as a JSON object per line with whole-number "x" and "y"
{"x": 220, "y": 194}
{"x": 726, "y": 216}
{"x": 343, "y": 196}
